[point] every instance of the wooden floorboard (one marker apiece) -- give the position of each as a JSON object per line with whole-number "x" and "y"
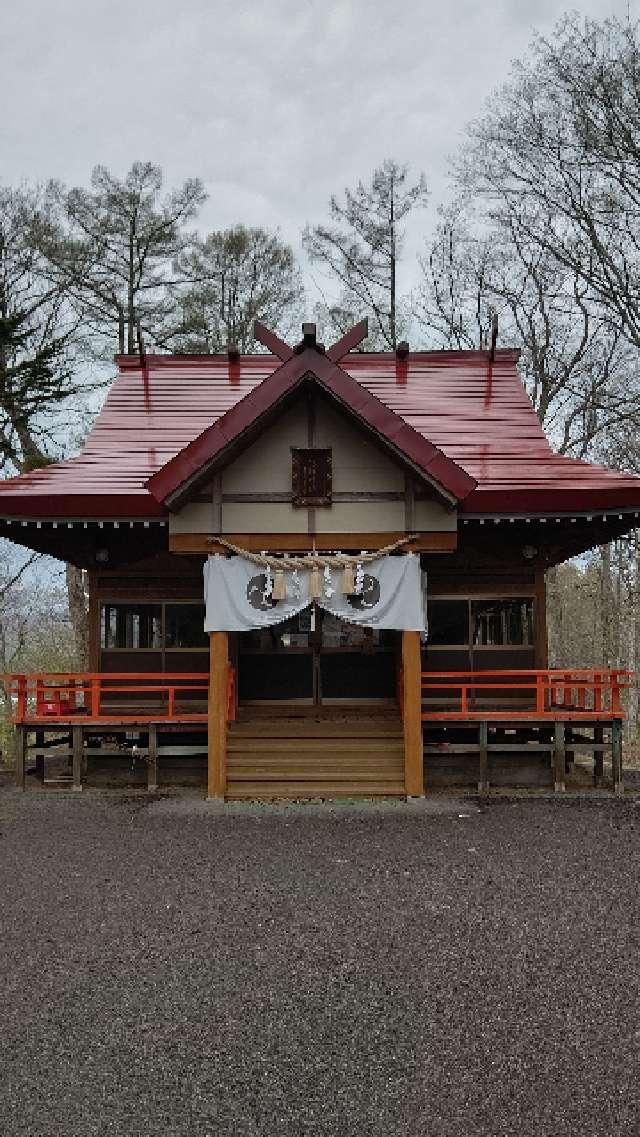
{"x": 261, "y": 791}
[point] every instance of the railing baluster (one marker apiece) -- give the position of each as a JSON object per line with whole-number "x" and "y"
{"x": 615, "y": 692}
{"x": 21, "y": 707}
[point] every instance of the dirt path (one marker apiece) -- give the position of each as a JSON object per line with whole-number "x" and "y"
{"x": 170, "y": 969}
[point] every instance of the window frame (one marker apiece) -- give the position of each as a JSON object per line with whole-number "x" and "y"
{"x": 164, "y": 651}
{"x": 480, "y": 598}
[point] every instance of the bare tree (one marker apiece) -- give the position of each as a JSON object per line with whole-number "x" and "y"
{"x": 39, "y": 343}
{"x": 116, "y": 257}
{"x": 361, "y": 250}
{"x": 558, "y": 154}
{"x": 39, "y": 337}
{"x": 234, "y": 278}
{"x": 579, "y": 369}
{"x": 35, "y": 631}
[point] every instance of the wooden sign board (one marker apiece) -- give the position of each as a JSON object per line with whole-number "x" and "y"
{"x": 310, "y": 476}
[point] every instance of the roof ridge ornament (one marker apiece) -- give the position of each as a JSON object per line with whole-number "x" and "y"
{"x": 335, "y": 353}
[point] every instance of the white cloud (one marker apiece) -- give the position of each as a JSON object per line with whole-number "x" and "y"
{"x": 275, "y": 104}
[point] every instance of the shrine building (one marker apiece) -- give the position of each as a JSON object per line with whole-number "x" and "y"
{"x": 319, "y": 572}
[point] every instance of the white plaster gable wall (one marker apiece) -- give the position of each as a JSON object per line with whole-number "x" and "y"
{"x": 359, "y": 466}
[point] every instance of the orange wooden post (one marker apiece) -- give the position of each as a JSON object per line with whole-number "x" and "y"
{"x": 95, "y": 697}
{"x": 21, "y": 706}
{"x": 217, "y": 718}
{"x": 540, "y": 693}
{"x": 412, "y": 715}
{"x": 615, "y": 692}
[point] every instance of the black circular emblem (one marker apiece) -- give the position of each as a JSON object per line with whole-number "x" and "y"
{"x": 369, "y": 596}
{"x": 255, "y": 593}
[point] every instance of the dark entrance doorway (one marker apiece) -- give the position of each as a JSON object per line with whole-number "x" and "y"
{"x": 317, "y": 659}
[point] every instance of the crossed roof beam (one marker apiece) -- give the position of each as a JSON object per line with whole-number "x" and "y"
{"x": 336, "y": 352}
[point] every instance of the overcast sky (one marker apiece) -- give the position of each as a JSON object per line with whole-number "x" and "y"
{"x": 273, "y": 104}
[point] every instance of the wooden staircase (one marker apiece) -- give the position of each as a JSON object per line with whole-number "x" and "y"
{"x": 315, "y": 754}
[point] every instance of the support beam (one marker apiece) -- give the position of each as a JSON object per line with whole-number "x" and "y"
{"x": 152, "y": 759}
{"x": 217, "y": 729}
{"x": 20, "y": 745}
{"x": 616, "y": 756}
{"x": 39, "y": 754}
{"x": 598, "y": 755}
{"x": 77, "y": 751}
{"x": 483, "y": 770}
{"x": 412, "y": 715}
{"x": 559, "y": 758}
{"x": 199, "y": 543}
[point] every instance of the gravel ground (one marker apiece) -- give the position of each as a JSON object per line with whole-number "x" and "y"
{"x": 175, "y": 969}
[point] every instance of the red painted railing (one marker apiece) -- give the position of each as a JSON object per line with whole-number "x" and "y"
{"x": 551, "y": 694}
{"x": 101, "y": 697}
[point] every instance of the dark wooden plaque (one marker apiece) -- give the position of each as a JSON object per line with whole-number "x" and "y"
{"x": 311, "y": 476}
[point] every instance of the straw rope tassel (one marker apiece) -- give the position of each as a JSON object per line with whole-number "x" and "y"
{"x": 315, "y": 584}
{"x": 348, "y": 583}
{"x": 279, "y": 586}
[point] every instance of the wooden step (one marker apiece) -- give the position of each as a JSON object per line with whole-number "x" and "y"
{"x": 309, "y": 777}
{"x": 311, "y": 758}
{"x": 263, "y": 791}
{"x": 311, "y": 761}
{"x": 316, "y": 755}
{"x": 310, "y": 729}
{"x": 273, "y": 745}
{"x": 335, "y": 711}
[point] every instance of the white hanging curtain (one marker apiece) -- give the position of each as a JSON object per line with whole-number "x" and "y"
{"x": 239, "y": 595}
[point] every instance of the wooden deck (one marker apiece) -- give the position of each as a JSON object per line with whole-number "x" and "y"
{"x": 475, "y": 725}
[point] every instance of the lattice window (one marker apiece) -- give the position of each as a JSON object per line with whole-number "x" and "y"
{"x": 311, "y": 476}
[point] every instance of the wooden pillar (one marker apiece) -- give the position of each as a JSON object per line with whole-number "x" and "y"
{"x": 559, "y": 758}
{"x": 569, "y": 754}
{"x": 39, "y": 754}
{"x": 20, "y": 744}
{"x": 483, "y": 770}
{"x": 616, "y": 756}
{"x": 412, "y": 715}
{"x": 77, "y": 751}
{"x": 217, "y": 733}
{"x": 541, "y": 637}
{"x": 152, "y": 759}
{"x": 598, "y": 755}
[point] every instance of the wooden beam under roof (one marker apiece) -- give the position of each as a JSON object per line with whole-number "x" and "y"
{"x": 199, "y": 543}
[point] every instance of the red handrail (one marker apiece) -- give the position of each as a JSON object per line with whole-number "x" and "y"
{"x": 583, "y": 693}
{"x": 46, "y": 696}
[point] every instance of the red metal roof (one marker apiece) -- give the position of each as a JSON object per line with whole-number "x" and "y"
{"x": 476, "y": 413}
{"x": 310, "y": 365}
